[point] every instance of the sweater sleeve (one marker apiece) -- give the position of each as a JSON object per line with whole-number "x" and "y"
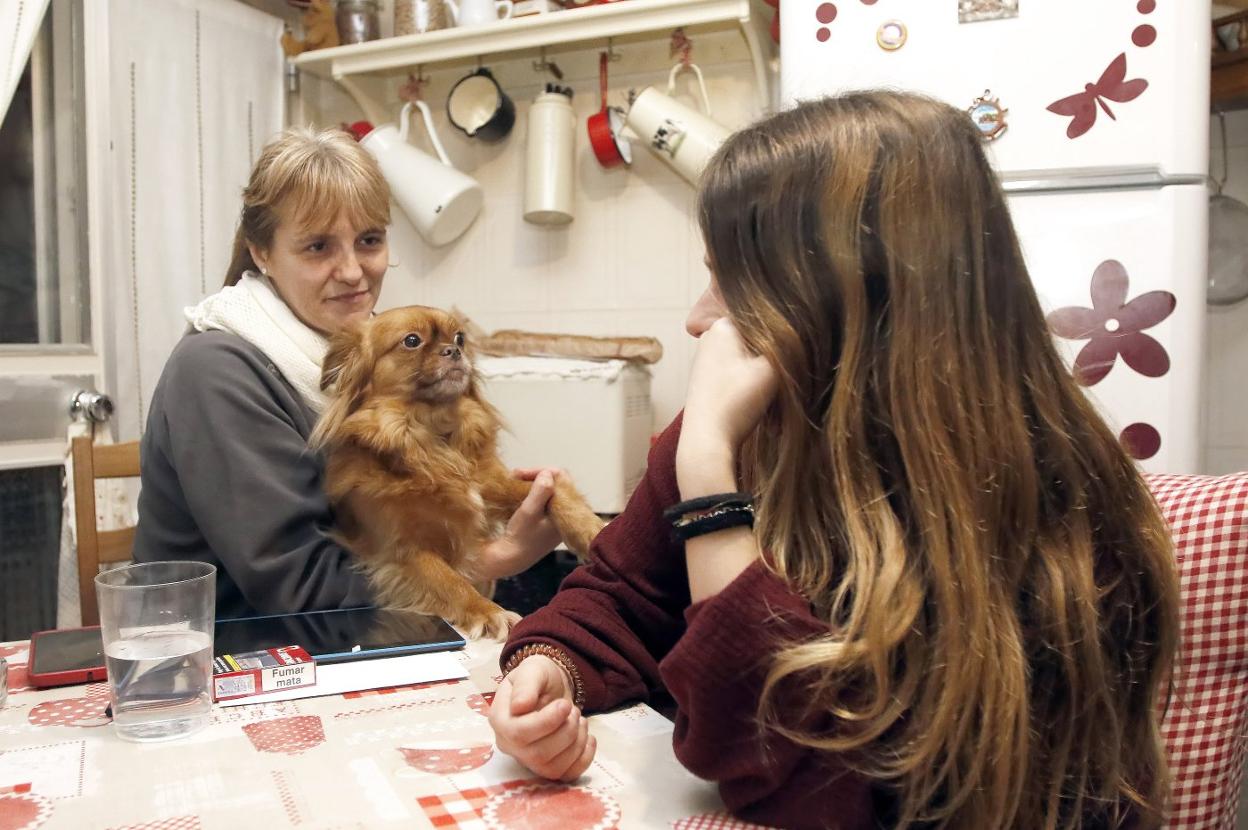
{"x": 716, "y": 671}
{"x": 617, "y": 616}
{"x": 252, "y": 486}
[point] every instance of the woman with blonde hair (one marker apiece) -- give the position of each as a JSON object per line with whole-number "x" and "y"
{"x": 892, "y": 565}
{"x": 227, "y": 477}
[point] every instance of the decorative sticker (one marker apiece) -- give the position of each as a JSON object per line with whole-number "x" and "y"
{"x": 1114, "y": 327}
{"x": 1141, "y": 441}
{"x": 1112, "y": 85}
{"x": 825, "y": 13}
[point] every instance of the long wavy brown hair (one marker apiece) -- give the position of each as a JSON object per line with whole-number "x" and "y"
{"x": 999, "y": 584}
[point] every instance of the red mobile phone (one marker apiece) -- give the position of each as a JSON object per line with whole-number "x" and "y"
{"x": 66, "y": 655}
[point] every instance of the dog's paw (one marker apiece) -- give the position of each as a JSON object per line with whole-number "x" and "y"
{"x": 493, "y": 625}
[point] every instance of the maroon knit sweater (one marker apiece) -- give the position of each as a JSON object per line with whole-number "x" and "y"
{"x": 627, "y": 622}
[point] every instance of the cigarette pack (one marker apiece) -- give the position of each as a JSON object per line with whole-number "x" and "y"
{"x": 267, "y": 670}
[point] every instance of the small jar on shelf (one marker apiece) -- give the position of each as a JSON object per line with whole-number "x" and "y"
{"x": 419, "y": 16}
{"x": 357, "y": 21}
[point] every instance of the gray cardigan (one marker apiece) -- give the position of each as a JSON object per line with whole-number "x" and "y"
{"x": 227, "y": 478}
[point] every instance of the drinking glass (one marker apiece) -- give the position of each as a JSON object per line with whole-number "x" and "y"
{"x": 156, "y": 619}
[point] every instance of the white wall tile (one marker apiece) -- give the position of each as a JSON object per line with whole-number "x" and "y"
{"x": 648, "y": 247}
{"x": 1224, "y": 460}
{"x": 630, "y": 263}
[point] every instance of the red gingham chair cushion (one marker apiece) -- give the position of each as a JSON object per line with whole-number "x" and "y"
{"x": 1206, "y": 726}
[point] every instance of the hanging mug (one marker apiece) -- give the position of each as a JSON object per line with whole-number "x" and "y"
{"x": 478, "y": 106}
{"x": 680, "y": 135}
{"x": 440, "y": 201}
{"x": 479, "y": 12}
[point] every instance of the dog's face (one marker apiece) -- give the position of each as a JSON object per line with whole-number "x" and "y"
{"x": 415, "y": 352}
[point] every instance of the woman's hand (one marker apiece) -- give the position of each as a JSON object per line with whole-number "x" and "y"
{"x": 535, "y": 722}
{"x": 530, "y": 533}
{"x": 729, "y": 390}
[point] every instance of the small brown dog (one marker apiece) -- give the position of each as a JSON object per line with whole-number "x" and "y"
{"x": 412, "y": 467}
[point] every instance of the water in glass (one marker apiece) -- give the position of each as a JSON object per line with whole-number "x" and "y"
{"x": 161, "y": 679}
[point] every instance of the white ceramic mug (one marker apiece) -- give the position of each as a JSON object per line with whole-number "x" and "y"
{"x": 680, "y": 135}
{"x": 440, "y": 201}
{"x": 550, "y": 166}
{"x": 479, "y": 12}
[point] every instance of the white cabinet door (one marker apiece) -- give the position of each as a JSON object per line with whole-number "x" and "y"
{"x": 1121, "y": 277}
{"x": 1053, "y": 50}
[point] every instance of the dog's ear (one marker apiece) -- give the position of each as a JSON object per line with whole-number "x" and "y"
{"x": 348, "y": 363}
{"x": 348, "y": 366}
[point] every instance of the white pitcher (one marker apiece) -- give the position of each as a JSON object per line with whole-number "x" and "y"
{"x": 440, "y": 201}
{"x": 680, "y": 135}
{"x": 479, "y": 12}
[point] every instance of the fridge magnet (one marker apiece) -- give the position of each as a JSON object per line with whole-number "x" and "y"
{"x": 973, "y": 11}
{"x": 1112, "y": 85}
{"x": 891, "y": 35}
{"x": 989, "y": 116}
{"x": 1115, "y": 327}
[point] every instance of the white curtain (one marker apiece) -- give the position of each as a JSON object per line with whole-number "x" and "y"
{"x": 19, "y": 24}
{"x": 196, "y": 91}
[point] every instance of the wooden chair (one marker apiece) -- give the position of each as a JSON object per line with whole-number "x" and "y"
{"x": 98, "y": 547}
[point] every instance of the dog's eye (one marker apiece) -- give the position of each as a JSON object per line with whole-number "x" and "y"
{"x": 459, "y": 339}
{"x": 411, "y": 341}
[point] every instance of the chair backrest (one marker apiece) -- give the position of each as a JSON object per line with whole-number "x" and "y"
{"x": 98, "y": 547}
{"x": 1205, "y": 727}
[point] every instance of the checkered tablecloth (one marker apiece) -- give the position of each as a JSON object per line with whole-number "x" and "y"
{"x": 413, "y": 756}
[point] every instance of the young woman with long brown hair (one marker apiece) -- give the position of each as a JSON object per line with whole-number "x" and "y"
{"x": 957, "y": 603}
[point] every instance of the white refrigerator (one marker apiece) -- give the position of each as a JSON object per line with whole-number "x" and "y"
{"x": 1095, "y": 114}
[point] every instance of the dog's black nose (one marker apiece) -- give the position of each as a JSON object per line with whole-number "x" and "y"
{"x": 452, "y": 352}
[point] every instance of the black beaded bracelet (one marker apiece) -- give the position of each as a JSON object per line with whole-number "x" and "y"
{"x": 711, "y": 502}
{"x": 719, "y": 519}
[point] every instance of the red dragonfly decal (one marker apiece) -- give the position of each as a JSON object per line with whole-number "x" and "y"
{"x": 1112, "y": 85}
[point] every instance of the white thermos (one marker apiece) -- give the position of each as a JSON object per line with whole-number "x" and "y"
{"x": 549, "y": 181}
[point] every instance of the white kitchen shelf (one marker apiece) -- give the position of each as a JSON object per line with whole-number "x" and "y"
{"x": 585, "y": 25}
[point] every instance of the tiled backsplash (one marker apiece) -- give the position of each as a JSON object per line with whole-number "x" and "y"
{"x": 629, "y": 264}
{"x": 1226, "y": 393}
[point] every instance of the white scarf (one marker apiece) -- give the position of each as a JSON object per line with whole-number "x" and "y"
{"x": 253, "y": 310}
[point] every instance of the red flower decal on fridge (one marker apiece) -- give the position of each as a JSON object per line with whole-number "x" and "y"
{"x": 1115, "y": 327}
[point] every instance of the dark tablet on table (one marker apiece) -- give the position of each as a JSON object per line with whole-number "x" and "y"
{"x": 339, "y": 635}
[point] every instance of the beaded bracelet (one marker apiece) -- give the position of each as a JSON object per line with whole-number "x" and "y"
{"x": 560, "y": 656}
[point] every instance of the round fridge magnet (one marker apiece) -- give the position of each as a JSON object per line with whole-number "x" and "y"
{"x": 989, "y": 116}
{"x": 891, "y": 35}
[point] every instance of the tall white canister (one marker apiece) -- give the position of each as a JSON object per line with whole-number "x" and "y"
{"x": 549, "y": 181}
